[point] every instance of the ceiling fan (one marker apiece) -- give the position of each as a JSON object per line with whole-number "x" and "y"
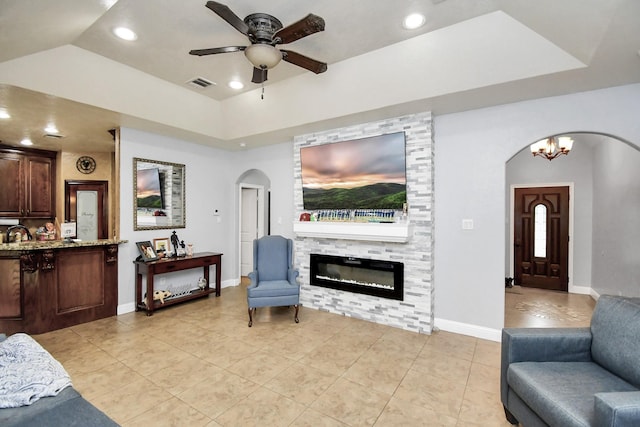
{"x": 265, "y": 32}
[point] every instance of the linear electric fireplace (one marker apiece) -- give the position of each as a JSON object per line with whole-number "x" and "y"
{"x": 365, "y": 276}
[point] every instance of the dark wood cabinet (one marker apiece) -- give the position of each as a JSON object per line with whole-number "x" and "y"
{"x": 48, "y": 289}
{"x": 27, "y": 187}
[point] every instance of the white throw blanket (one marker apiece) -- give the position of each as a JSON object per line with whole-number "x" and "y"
{"x": 28, "y": 372}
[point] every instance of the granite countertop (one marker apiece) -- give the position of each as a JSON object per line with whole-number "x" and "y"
{"x": 39, "y": 245}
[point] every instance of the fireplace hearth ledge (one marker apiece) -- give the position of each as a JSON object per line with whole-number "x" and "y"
{"x": 398, "y": 232}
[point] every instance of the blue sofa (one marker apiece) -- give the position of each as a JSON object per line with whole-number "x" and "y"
{"x": 66, "y": 408}
{"x": 575, "y": 376}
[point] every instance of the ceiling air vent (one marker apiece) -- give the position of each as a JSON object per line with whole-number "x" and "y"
{"x": 53, "y": 135}
{"x": 200, "y": 82}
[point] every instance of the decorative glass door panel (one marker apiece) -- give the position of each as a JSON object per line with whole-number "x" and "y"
{"x": 87, "y": 215}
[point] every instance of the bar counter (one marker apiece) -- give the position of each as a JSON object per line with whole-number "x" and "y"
{"x": 40, "y": 245}
{"x": 53, "y": 284}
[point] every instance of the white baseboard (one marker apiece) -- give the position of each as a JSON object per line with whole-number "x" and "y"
{"x": 468, "y": 329}
{"x": 582, "y": 290}
{"x": 229, "y": 283}
{"x": 126, "y": 308}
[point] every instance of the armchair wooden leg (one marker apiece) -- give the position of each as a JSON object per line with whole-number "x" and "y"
{"x": 297, "y": 320}
{"x": 250, "y": 317}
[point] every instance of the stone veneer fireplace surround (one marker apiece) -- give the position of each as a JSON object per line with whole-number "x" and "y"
{"x": 413, "y": 246}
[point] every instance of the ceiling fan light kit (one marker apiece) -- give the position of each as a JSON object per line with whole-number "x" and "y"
{"x": 263, "y": 56}
{"x": 265, "y": 32}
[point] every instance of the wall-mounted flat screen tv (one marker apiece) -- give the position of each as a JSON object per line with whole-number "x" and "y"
{"x": 366, "y": 173}
{"x": 150, "y": 189}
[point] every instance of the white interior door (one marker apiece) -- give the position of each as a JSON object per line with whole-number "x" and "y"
{"x": 248, "y": 228}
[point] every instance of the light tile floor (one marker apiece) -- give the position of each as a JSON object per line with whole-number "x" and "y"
{"x": 537, "y": 308}
{"x": 198, "y": 364}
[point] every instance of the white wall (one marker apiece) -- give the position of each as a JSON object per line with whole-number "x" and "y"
{"x": 616, "y": 212}
{"x": 276, "y": 162}
{"x": 575, "y": 168}
{"x": 471, "y": 151}
{"x": 209, "y": 186}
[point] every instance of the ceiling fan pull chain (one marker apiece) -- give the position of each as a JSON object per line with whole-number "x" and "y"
{"x": 262, "y": 94}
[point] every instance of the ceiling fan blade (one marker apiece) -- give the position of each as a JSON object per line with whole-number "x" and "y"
{"x": 225, "y": 13}
{"x": 214, "y": 50}
{"x": 259, "y": 75}
{"x": 303, "y": 61}
{"x": 306, "y": 26}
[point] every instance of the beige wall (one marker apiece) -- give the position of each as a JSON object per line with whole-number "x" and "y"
{"x": 66, "y": 170}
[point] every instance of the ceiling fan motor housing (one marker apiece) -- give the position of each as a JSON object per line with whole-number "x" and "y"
{"x": 262, "y": 27}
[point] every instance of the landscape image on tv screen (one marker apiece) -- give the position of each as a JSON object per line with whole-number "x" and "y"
{"x": 367, "y": 173}
{"x": 149, "y": 191}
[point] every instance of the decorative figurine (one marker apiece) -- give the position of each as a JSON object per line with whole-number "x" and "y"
{"x": 175, "y": 242}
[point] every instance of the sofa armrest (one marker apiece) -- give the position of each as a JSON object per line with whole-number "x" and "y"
{"x": 620, "y": 409}
{"x": 542, "y": 345}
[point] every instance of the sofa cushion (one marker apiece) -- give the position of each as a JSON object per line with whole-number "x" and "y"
{"x": 274, "y": 288}
{"x": 615, "y": 327}
{"x": 562, "y": 393}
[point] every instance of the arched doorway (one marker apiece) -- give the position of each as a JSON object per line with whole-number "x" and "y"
{"x": 253, "y": 215}
{"x": 600, "y": 171}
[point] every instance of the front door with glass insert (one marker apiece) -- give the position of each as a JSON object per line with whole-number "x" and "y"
{"x": 541, "y": 237}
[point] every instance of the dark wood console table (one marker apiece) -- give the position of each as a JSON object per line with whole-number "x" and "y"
{"x": 169, "y": 265}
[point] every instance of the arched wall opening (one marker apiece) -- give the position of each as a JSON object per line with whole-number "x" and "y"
{"x": 602, "y": 171}
{"x": 253, "y": 219}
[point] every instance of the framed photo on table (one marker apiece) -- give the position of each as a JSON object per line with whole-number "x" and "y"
{"x": 146, "y": 251}
{"x": 161, "y": 245}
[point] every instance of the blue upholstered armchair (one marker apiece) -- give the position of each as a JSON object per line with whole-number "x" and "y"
{"x": 273, "y": 279}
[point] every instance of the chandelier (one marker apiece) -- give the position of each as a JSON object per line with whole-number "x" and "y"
{"x": 551, "y": 148}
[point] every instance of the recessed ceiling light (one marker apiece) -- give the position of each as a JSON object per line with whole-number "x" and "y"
{"x": 4, "y": 114}
{"x": 236, "y": 84}
{"x": 51, "y": 128}
{"x": 125, "y": 33}
{"x": 26, "y": 141}
{"x": 413, "y": 21}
